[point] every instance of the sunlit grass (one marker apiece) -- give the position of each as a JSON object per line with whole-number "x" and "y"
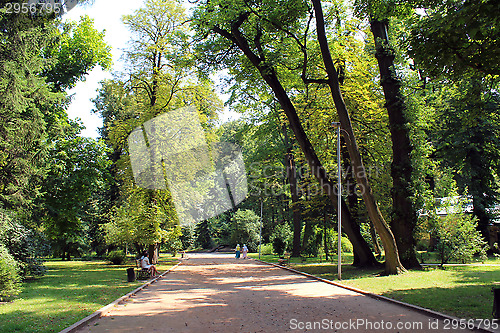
{"x": 462, "y": 291}
{"x": 68, "y": 292}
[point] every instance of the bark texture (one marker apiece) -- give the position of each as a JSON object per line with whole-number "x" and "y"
{"x": 392, "y": 262}
{"x": 404, "y": 216}
{"x": 269, "y": 75}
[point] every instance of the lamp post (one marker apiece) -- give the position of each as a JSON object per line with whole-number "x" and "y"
{"x": 260, "y": 232}
{"x": 339, "y": 204}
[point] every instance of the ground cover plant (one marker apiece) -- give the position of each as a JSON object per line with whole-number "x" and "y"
{"x": 68, "y": 292}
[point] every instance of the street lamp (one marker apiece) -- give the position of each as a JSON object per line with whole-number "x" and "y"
{"x": 260, "y": 232}
{"x": 339, "y": 203}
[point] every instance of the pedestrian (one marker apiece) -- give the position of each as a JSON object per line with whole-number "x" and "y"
{"x": 244, "y": 251}
{"x": 237, "y": 251}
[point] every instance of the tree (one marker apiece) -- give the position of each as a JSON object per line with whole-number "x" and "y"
{"x": 458, "y": 239}
{"x": 250, "y": 31}
{"x": 456, "y": 36}
{"x": 159, "y": 80}
{"x": 392, "y": 262}
{"x": 78, "y": 48}
{"x": 245, "y": 229}
{"x": 77, "y": 170}
{"x": 461, "y": 57}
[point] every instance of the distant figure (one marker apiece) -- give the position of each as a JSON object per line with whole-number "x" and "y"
{"x": 237, "y": 251}
{"x": 146, "y": 265}
{"x": 244, "y": 251}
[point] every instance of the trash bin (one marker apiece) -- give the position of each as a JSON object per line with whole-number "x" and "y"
{"x": 496, "y": 302}
{"x": 131, "y": 274}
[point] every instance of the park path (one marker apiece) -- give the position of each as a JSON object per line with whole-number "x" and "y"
{"x": 217, "y": 293}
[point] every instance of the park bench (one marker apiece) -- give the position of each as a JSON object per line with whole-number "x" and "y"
{"x": 284, "y": 260}
{"x": 142, "y": 273}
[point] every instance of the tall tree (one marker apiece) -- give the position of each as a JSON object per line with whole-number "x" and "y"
{"x": 456, "y": 45}
{"x": 160, "y": 78}
{"x": 392, "y": 262}
{"x": 250, "y": 30}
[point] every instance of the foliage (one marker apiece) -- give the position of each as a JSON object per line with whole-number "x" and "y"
{"x": 187, "y": 237}
{"x": 172, "y": 240}
{"x": 79, "y": 48}
{"x": 117, "y": 257}
{"x": 9, "y": 279}
{"x": 78, "y": 169}
{"x": 457, "y": 36}
{"x": 458, "y": 238}
{"x": 266, "y": 249}
{"x": 281, "y": 238}
{"x": 245, "y": 229}
{"x": 27, "y": 246}
{"x": 332, "y": 239}
{"x": 204, "y": 235}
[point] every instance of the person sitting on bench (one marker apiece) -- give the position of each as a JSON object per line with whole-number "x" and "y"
{"x": 146, "y": 265}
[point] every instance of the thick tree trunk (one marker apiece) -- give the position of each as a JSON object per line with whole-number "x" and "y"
{"x": 270, "y": 77}
{"x": 392, "y": 262}
{"x": 404, "y": 216}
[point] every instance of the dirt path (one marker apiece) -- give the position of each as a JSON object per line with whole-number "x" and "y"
{"x": 216, "y": 293}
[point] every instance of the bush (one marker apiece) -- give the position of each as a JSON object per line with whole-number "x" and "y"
{"x": 345, "y": 243}
{"x": 26, "y": 246}
{"x": 266, "y": 249}
{"x": 281, "y": 238}
{"x": 458, "y": 239}
{"x": 9, "y": 279}
{"x": 245, "y": 229}
{"x": 116, "y": 257}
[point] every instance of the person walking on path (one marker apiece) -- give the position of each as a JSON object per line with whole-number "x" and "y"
{"x": 244, "y": 251}
{"x": 237, "y": 251}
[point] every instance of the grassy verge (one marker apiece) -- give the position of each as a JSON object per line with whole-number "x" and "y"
{"x": 68, "y": 292}
{"x": 461, "y": 291}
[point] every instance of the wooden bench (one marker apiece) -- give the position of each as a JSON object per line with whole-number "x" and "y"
{"x": 142, "y": 273}
{"x": 284, "y": 260}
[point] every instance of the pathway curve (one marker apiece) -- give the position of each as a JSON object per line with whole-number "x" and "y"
{"x": 217, "y": 293}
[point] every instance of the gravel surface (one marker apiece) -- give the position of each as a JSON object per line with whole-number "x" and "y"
{"x": 217, "y": 293}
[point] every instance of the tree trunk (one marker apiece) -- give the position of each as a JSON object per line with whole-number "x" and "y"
{"x": 269, "y": 75}
{"x": 404, "y": 216}
{"x": 325, "y": 236}
{"x": 153, "y": 253}
{"x": 392, "y": 262}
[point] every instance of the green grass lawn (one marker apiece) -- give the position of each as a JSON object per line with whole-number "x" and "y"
{"x": 461, "y": 291}
{"x": 68, "y": 292}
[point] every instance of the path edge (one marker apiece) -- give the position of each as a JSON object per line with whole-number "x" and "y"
{"x": 105, "y": 309}
{"x": 432, "y": 313}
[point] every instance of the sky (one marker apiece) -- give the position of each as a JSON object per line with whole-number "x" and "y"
{"x": 107, "y": 16}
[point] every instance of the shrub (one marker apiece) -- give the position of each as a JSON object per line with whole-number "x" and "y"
{"x": 458, "y": 238}
{"x": 245, "y": 229}
{"x": 26, "y": 246}
{"x": 281, "y": 238}
{"x": 116, "y": 257}
{"x": 9, "y": 278}
{"x": 345, "y": 243}
{"x": 266, "y": 249}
